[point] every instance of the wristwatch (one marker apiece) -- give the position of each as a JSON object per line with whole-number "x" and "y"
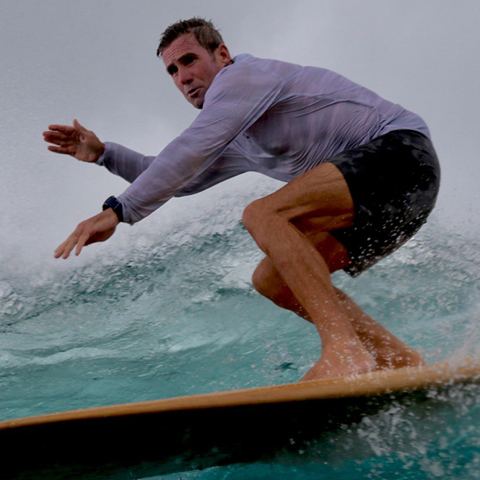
{"x": 115, "y": 205}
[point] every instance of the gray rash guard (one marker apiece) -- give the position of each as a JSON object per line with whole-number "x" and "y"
{"x": 259, "y": 115}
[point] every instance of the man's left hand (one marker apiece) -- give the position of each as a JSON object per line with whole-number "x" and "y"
{"x": 96, "y": 229}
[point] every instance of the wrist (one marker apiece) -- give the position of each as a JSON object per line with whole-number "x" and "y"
{"x": 99, "y": 152}
{"x": 115, "y": 205}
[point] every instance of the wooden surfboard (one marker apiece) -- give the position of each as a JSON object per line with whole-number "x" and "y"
{"x": 203, "y": 430}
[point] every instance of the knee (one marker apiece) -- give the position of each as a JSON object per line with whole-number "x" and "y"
{"x": 260, "y": 221}
{"x": 252, "y": 215}
{"x": 268, "y": 282}
{"x": 260, "y": 281}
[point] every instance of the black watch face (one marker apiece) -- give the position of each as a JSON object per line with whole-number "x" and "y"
{"x": 110, "y": 202}
{"x": 115, "y": 205}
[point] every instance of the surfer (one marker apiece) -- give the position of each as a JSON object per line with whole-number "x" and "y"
{"x": 362, "y": 177}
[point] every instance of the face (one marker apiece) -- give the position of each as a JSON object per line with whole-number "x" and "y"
{"x": 192, "y": 67}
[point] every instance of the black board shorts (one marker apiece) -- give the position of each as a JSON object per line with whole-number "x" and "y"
{"x": 394, "y": 182}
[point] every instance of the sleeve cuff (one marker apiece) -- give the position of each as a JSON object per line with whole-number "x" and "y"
{"x": 105, "y": 156}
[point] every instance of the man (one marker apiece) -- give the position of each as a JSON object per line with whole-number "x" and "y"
{"x": 362, "y": 178}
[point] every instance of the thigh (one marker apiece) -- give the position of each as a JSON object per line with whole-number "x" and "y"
{"x": 316, "y": 201}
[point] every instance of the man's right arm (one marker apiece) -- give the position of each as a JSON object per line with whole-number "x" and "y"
{"x": 84, "y": 145}
{"x": 124, "y": 162}
{"x": 76, "y": 141}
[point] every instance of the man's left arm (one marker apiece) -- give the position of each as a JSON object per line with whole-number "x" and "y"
{"x": 96, "y": 229}
{"x": 233, "y": 103}
{"x": 231, "y": 106}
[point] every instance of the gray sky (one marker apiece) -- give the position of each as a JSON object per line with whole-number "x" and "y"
{"x": 95, "y": 61}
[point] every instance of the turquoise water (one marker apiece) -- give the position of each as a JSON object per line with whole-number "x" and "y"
{"x": 177, "y": 315}
{"x": 166, "y": 308}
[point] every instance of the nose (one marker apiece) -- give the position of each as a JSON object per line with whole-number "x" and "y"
{"x": 184, "y": 76}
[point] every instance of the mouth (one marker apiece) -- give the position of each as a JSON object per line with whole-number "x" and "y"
{"x": 192, "y": 92}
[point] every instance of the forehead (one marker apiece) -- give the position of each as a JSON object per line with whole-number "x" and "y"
{"x": 181, "y": 46}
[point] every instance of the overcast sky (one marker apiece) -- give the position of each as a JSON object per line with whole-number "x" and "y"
{"x": 95, "y": 60}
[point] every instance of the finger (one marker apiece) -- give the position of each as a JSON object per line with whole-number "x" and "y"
{"x": 64, "y": 249}
{"x": 79, "y": 127}
{"x": 59, "y": 250}
{"x": 82, "y": 241}
{"x": 58, "y": 141}
{"x": 67, "y": 246}
{"x": 62, "y": 150}
{"x": 67, "y": 249}
{"x": 62, "y": 128}
{"x": 49, "y": 135}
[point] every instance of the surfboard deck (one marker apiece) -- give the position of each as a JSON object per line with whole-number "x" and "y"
{"x": 210, "y": 429}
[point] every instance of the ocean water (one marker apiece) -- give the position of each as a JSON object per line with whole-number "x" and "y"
{"x": 167, "y": 308}
{"x": 172, "y": 312}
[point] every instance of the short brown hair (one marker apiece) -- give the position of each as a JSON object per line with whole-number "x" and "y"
{"x": 203, "y": 30}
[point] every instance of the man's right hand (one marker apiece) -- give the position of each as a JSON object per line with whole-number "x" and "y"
{"x": 76, "y": 141}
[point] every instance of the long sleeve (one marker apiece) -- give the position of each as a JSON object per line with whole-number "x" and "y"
{"x": 128, "y": 164}
{"x": 236, "y": 99}
{"x": 124, "y": 162}
{"x": 272, "y": 117}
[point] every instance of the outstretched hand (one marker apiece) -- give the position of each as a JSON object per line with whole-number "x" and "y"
{"x": 96, "y": 229}
{"x": 75, "y": 141}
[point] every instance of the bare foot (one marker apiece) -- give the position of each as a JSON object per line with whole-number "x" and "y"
{"x": 388, "y": 358}
{"x": 337, "y": 364}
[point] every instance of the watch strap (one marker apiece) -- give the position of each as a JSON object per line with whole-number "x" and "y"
{"x": 115, "y": 205}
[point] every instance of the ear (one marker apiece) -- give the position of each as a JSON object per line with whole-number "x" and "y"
{"x": 222, "y": 55}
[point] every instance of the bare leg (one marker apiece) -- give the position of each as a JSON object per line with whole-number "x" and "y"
{"x": 323, "y": 195}
{"x": 386, "y": 349}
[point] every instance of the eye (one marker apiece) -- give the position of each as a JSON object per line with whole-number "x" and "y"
{"x": 188, "y": 59}
{"x": 172, "y": 70}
